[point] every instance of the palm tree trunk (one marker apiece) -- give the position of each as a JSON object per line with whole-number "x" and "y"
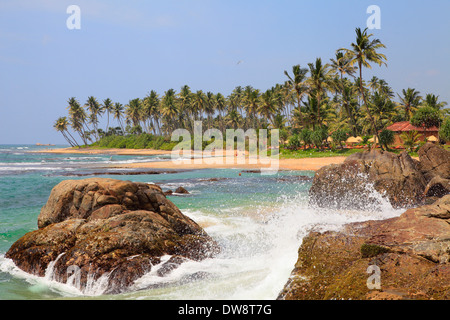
{"x": 67, "y": 139}
{"x": 300, "y": 109}
{"x": 107, "y": 123}
{"x": 74, "y": 141}
{"x": 367, "y": 108}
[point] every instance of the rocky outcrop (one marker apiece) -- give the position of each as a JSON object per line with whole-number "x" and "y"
{"x": 435, "y": 166}
{"x": 411, "y": 254}
{"x": 352, "y": 183}
{"x": 106, "y": 227}
{"x": 434, "y": 161}
{"x": 402, "y": 180}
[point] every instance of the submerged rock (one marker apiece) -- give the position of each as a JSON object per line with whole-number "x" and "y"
{"x": 181, "y": 190}
{"x": 106, "y": 227}
{"x": 411, "y": 252}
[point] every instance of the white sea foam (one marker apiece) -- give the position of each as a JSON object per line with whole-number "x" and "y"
{"x": 259, "y": 251}
{"x": 257, "y": 255}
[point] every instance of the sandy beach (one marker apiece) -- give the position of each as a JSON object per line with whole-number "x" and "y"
{"x": 230, "y": 162}
{"x": 121, "y": 152}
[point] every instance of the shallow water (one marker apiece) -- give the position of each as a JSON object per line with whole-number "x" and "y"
{"x": 259, "y": 221}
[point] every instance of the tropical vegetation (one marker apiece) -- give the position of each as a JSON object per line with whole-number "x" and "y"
{"x": 320, "y": 104}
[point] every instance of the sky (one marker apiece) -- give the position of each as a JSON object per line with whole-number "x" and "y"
{"x": 124, "y": 49}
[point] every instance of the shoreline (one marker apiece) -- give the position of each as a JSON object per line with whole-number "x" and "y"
{"x": 303, "y": 164}
{"x": 119, "y": 152}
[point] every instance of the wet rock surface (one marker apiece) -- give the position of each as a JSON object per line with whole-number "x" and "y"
{"x": 111, "y": 228}
{"x": 403, "y": 181}
{"x": 412, "y": 253}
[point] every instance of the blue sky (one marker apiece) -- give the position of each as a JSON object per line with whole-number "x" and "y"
{"x": 124, "y": 49}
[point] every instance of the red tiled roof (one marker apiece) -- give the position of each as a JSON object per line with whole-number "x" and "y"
{"x": 407, "y": 126}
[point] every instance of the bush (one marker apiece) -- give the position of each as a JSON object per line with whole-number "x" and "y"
{"x": 318, "y": 136}
{"x": 305, "y": 136}
{"x": 386, "y": 137}
{"x": 426, "y": 117}
{"x": 444, "y": 133}
{"x": 295, "y": 142}
{"x": 339, "y": 135}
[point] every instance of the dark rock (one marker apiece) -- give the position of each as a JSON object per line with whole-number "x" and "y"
{"x": 351, "y": 184}
{"x": 412, "y": 252}
{"x": 181, "y": 190}
{"x": 109, "y": 227}
{"x": 434, "y": 161}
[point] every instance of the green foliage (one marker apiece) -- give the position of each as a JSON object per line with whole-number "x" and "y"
{"x": 318, "y": 136}
{"x": 444, "y": 133}
{"x": 295, "y": 141}
{"x": 141, "y": 141}
{"x": 410, "y": 139}
{"x": 426, "y": 117}
{"x": 305, "y": 136}
{"x": 387, "y": 137}
{"x": 316, "y": 153}
{"x": 339, "y": 136}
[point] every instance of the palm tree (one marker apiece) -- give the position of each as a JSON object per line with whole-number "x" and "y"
{"x": 409, "y": 102}
{"x": 198, "y": 104}
{"x": 383, "y": 108}
{"x": 210, "y": 106}
{"x": 363, "y": 52}
{"x": 432, "y": 101}
{"x": 235, "y": 99}
{"x": 133, "y": 111}
{"x": 169, "y": 108}
{"x": 233, "y": 119}
{"x": 319, "y": 81}
{"x": 77, "y": 118}
{"x": 350, "y": 104}
{"x": 151, "y": 106}
{"x": 298, "y": 84}
{"x": 61, "y": 125}
{"x": 118, "y": 112}
{"x": 269, "y": 105}
{"x": 341, "y": 65}
{"x": 185, "y": 106}
{"x": 95, "y": 109}
{"x": 221, "y": 106}
{"x": 251, "y": 104}
{"x": 410, "y": 139}
{"x": 108, "y": 107}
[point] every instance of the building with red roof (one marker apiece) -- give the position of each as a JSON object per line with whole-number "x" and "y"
{"x": 406, "y": 126}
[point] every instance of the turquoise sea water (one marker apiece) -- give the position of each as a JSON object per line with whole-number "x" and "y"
{"x": 259, "y": 221}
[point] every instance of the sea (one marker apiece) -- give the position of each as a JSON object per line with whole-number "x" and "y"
{"x": 258, "y": 220}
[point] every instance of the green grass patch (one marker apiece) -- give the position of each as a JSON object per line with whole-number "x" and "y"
{"x": 140, "y": 141}
{"x": 316, "y": 153}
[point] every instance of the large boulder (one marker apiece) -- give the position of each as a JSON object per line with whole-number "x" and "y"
{"x": 435, "y": 167}
{"x": 411, "y": 254}
{"x": 434, "y": 161}
{"x": 109, "y": 229}
{"x": 363, "y": 177}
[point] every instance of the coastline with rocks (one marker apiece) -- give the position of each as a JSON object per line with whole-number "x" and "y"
{"x": 111, "y": 233}
{"x": 411, "y": 252}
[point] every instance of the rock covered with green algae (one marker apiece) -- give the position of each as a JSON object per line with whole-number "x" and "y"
{"x": 108, "y": 227}
{"x": 412, "y": 252}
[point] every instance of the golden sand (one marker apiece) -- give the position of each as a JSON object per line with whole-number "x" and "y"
{"x": 237, "y": 162}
